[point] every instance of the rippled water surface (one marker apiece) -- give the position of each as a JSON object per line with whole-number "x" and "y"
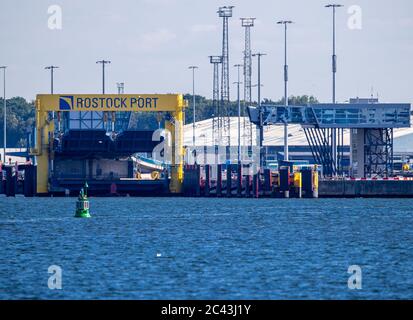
{"x": 179, "y": 248}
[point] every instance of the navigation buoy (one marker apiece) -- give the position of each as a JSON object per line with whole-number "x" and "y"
{"x": 82, "y": 204}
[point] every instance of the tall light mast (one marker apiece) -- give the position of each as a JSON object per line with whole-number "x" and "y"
{"x": 216, "y": 119}
{"x": 225, "y": 13}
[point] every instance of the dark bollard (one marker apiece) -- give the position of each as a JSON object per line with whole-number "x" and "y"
{"x": 130, "y": 169}
{"x": 239, "y": 180}
{"x": 2, "y": 188}
{"x": 207, "y": 180}
{"x": 191, "y": 186}
{"x": 198, "y": 180}
{"x": 255, "y": 187}
{"x": 10, "y": 182}
{"x": 28, "y": 184}
{"x": 307, "y": 183}
{"x": 187, "y": 180}
{"x": 310, "y": 183}
{"x": 229, "y": 180}
{"x": 285, "y": 181}
{"x": 15, "y": 184}
{"x": 247, "y": 185}
{"x": 7, "y": 180}
{"x": 219, "y": 180}
{"x": 33, "y": 181}
{"x": 267, "y": 181}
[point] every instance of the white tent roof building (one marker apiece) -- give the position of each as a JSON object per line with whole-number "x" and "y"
{"x": 274, "y": 135}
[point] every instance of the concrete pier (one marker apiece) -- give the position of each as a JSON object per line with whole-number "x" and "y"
{"x": 366, "y": 189}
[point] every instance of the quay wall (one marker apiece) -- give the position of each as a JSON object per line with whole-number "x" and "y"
{"x": 366, "y": 188}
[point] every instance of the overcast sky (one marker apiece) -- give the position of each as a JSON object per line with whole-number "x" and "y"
{"x": 151, "y": 43}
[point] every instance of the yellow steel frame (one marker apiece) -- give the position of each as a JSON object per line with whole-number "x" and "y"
{"x": 45, "y": 103}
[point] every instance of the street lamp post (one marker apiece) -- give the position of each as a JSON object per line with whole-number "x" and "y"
{"x": 4, "y": 114}
{"x": 334, "y": 69}
{"x": 193, "y": 103}
{"x": 51, "y": 68}
{"x": 103, "y": 62}
{"x": 238, "y": 66}
{"x": 105, "y": 113}
{"x": 261, "y": 129}
{"x": 285, "y": 23}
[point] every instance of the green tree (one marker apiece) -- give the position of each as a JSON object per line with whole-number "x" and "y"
{"x": 20, "y": 119}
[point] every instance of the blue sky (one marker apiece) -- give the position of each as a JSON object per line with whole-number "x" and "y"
{"x": 151, "y": 43}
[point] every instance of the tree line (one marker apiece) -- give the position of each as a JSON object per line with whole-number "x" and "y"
{"x": 20, "y": 120}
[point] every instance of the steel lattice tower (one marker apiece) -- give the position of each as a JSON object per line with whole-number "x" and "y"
{"x": 217, "y": 119}
{"x": 225, "y": 13}
{"x": 247, "y": 23}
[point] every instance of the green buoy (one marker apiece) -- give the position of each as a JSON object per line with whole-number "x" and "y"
{"x": 82, "y": 204}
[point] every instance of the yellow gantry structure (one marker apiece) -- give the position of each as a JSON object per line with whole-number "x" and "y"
{"x": 172, "y": 104}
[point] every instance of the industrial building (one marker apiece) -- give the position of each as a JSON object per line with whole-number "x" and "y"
{"x": 96, "y": 137}
{"x": 299, "y": 150}
{"x": 273, "y": 139}
{"x": 76, "y": 140}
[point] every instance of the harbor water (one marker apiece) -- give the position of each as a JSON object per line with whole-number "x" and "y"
{"x": 196, "y": 248}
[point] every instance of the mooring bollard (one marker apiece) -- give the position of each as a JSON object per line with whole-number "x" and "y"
{"x": 229, "y": 180}
{"x": 207, "y": 180}
{"x": 1, "y": 178}
{"x": 255, "y": 188}
{"x": 239, "y": 180}
{"x": 310, "y": 183}
{"x": 247, "y": 185}
{"x": 267, "y": 182}
{"x": 307, "y": 182}
{"x": 284, "y": 176}
{"x": 10, "y": 188}
{"x": 28, "y": 183}
{"x": 219, "y": 180}
{"x": 197, "y": 180}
